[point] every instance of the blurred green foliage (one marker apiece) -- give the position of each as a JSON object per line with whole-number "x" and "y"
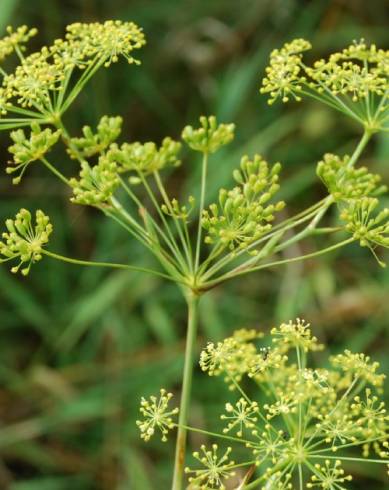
{"x": 79, "y": 346}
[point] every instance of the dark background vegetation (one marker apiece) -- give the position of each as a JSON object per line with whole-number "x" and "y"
{"x": 79, "y": 346}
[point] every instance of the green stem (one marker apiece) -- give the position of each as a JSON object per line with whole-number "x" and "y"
{"x": 63, "y": 89}
{"x": 193, "y": 301}
{"x": 338, "y": 101}
{"x": 55, "y": 171}
{"x": 180, "y": 232}
{"x": 129, "y": 218}
{"x": 143, "y": 212}
{"x": 361, "y": 146}
{"x": 215, "y": 435}
{"x": 85, "y": 77}
{"x": 168, "y": 237}
{"x": 227, "y": 276}
{"x": 202, "y": 200}
{"x": 301, "y": 483}
{"x": 350, "y": 444}
{"x": 292, "y": 222}
{"x": 318, "y": 214}
{"x": 24, "y": 111}
{"x": 283, "y": 464}
{"x": 103, "y": 264}
{"x": 376, "y": 117}
{"x": 337, "y": 405}
{"x": 344, "y": 458}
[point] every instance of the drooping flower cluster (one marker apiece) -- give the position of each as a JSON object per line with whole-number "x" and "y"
{"x": 243, "y": 213}
{"x": 25, "y": 240}
{"x": 27, "y": 149}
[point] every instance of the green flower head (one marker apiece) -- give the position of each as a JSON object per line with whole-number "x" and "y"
{"x": 96, "y": 184}
{"x": 210, "y": 136}
{"x": 108, "y": 130}
{"x": 145, "y": 158}
{"x": 243, "y": 214}
{"x": 345, "y": 182}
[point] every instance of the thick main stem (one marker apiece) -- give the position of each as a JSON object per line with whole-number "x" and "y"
{"x": 193, "y": 301}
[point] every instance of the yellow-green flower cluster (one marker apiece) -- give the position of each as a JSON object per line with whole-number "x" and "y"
{"x": 33, "y": 81}
{"x": 360, "y": 366}
{"x": 42, "y": 79}
{"x": 214, "y": 469}
{"x": 307, "y": 416}
{"x": 346, "y": 182}
{"x": 283, "y": 75}
{"x": 178, "y": 211}
{"x": 108, "y": 130}
{"x": 357, "y": 74}
{"x": 296, "y": 416}
{"x": 368, "y": 229}
{"x": 27, "y": 149}
{"x": 107, "y": 40}
{"x": 210, "y": 136}
{"x": 242, "y": 415}
{"x": 15, "y": 39}
{"x": 156, "y": 416}
{"x": 296, "y": 334}
{"x": 243, "y": 214}
{"x": 230, "y": 357}
{"x": 329, "y": 475}
{"x": 24, "y": 240}
{"x": 96, "y": 184}
{"x": 354, "y": 71}
{"x": 145, "y": 158}
{"x": 264, "y": 362}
